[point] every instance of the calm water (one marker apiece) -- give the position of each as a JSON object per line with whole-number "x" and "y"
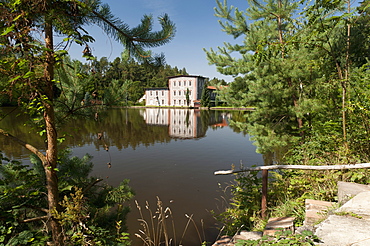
{"x": 166, "y": 153}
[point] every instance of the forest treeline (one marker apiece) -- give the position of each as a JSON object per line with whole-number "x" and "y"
{"x": 118, "y": 82}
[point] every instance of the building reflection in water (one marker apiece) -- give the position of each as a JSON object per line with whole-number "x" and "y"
{"x": 184, "y": 123}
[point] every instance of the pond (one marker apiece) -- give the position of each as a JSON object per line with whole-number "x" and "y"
{"x": 166, "y": 153}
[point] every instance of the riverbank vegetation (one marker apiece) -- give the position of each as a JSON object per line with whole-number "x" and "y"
{"x": 304, "y": 66}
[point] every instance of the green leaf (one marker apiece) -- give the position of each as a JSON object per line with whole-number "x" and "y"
{"x": 28, "y": 74}
{"x": 42, "y": 132}
{"x": 7, "y": 30}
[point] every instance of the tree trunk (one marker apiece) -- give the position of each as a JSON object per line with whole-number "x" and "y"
{"x": 281, "y": 41}
{"x": 51, "y": 152}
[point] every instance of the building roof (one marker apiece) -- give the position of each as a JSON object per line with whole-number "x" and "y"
{"x": 157, "y": 88}
{"x": 188, "y": 76}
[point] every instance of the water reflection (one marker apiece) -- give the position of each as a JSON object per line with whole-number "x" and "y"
{"x": 184, "y": 123}
{"x": 122, "y": 128}
{"x": 170, "y": 153}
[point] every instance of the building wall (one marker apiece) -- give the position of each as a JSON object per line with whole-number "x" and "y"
{"x": 157, "y": 97}
{"x": 178, "y": 85}
{"x": 176, "y": 92}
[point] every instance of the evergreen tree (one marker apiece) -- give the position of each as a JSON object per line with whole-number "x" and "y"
{"x": 33, "y": 76}
{"x": 293, "y": 70}
{"x": 206, "y": 96}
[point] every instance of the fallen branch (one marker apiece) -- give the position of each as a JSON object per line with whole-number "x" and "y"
{"x": 300, "y": 167}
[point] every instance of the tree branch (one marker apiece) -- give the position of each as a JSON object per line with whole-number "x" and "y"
{"x": 24, "y": 144}
{"x": 91, "y": 185}
{"x": 35, "y": 219}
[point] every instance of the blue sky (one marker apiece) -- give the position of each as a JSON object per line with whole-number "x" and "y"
{"x": 196, "y": 26}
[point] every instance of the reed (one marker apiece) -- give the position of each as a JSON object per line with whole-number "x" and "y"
{"x": 158, "y": 228}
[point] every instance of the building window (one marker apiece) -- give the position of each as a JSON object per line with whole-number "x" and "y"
{"x": 174, "y": 93}
{"x": 162, "y": 93}
{"x": 151, "y": 93}
{"x": 162, "y": 102}
{"x": 174, "y": 83}
{"x": 184, "y": 82}
{"x": 189, "y": 82}
{"x": 156, "y": 93}
{"x": 185, "y": 102}
{"x": 179, "y": 93}
{"x": 189, "y": 92}
{"x": 179, "y": 83}
{"x": 174, "y": 102}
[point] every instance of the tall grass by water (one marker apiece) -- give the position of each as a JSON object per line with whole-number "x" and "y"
{"x": 158, "y": 226}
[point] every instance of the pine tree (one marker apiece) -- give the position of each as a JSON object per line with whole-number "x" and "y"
{"x": 290, "y": 69}
{"x": 206, "y": 97}
{"x": 33, "y": 76}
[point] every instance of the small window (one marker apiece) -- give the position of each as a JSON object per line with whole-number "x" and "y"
{"x": 189, "y": 92}
{"x": 174, "y": 83}
{"x": 179, "y": 83}
{"x": 156, "y": 93}
{"x": 174, "y": 93}
{"x": 162, "y": 102}
{"x": 179, "y": 93}
{"x": 151, "y": 93}
{"x": 174, "y": 102}
{"x": 162, "y": 93}
{"x": 189, "y": 82}
{"x": 184, "y": 82}
{"x": 185, "y": 102}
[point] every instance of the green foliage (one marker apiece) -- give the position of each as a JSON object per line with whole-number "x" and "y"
{"x": 206, "y": 96}
{"x": 241, "y": 212}
{"x": 282, "y": 238}
{"x": 92, "y": 209}
{"x": 307, "y": 78}
{"x": 79, "y": 231}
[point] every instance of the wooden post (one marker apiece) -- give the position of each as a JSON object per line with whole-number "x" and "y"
{"x": 265, "y": 174}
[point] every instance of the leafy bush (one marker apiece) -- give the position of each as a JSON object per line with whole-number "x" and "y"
{"x": 283, "y": 238}
{"x": 91, "y": 212}
{"x": 243, "y": 207}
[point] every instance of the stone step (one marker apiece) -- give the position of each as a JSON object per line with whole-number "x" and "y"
{"x": 316, "y": 211}
{"x": 278, "y": 224}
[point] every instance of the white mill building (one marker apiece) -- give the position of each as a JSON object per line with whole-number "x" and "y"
{"x": 176, "y": 92}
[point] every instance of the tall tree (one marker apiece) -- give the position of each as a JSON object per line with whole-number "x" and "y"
{"x": 264, "y": 61}
{"x": 291, "y": 69}
{"x": 31, "y": 68}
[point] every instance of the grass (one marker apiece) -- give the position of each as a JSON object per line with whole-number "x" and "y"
{"x": 158, "y": 228}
